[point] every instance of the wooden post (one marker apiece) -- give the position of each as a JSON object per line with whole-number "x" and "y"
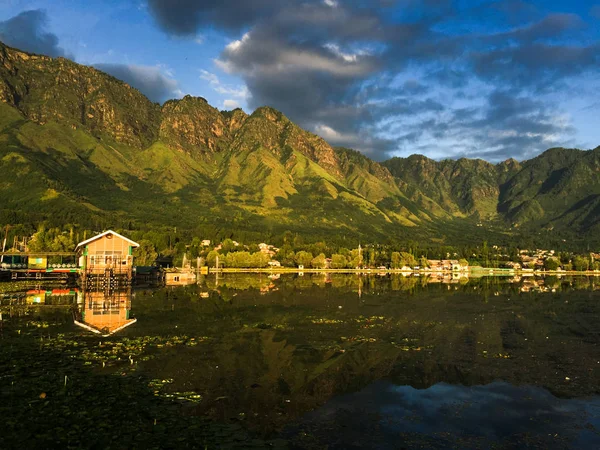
{"x": 4, "y": 243}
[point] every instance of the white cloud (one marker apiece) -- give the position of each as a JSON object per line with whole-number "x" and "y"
{"x": 335, "y": 137}
{"x": 217, "y": 86}
{"x": 230, "y": 104}
{"x": 235, "y": 45}
{"x": 208, "y": 76}
{"x": 256, "y": 55}
{"x": 240, "y": 91}
{"x": 348, "y": 57}
{"x": 331, "y": 3}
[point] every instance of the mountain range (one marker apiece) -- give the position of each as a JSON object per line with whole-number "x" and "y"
{"x": 80, "y": 146}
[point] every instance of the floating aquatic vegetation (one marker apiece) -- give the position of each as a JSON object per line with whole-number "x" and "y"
{"x": 111, "y": 352}
{"x": 326, "y": 321}
{"x": 158, "y": 387}
{"x": 358, "y": 339}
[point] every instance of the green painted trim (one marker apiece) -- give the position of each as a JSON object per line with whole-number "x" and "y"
{"x": 130, "y": 250}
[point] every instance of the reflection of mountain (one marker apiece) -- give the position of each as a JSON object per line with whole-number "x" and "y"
{"x": 270, "y": 357}
{"x": 105, "y": 312}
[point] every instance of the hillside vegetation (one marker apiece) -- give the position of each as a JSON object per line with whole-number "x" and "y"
{"x": 78, "y": 146}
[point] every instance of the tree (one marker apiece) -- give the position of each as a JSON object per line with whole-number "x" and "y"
{"x": 319, "y": 261}
{"x": 211, "y": 258}
{"x": 485, "y": 254}
{"x": 239, "y": 259}
{"x": 408, "y": 259}
{"x": 338, "y": 261}
{"x": 463, "y": 262}
{"x": 287, "y": 258}
{"x": 581, "y": 263}
{"x": 423, "y": 262}
{"x": 260, "y": 259}
{"x": 304, "y": 258}
{"x": 551, "y": 263}
{"x": 396, "y": 260}
{"x": 145, "y": 254}
{"x": 228, "y": 246}
{"x": 372, "y": 256}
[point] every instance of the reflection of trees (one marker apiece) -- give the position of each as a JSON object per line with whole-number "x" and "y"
{"x": 298, "y": 343}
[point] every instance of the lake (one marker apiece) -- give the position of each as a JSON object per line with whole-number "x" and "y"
{"x": 306, "y": 361}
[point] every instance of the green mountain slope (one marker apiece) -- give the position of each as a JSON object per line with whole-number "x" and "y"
{"x": 79, "y": 146}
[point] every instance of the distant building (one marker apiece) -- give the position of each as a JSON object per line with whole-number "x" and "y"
{"x": 445, "y": 265}
{"x": 205, "y": 242}
{"x": 274, "y": 263}
{"x": 164, "y": 261}
{"x": 455, "y": 266}
{"x": 267, "y": 249}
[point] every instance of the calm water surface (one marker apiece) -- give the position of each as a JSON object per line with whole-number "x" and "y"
{"x": 328, "y": 361}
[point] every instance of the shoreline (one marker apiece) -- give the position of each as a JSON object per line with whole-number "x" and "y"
{"x": 471, "y": 272}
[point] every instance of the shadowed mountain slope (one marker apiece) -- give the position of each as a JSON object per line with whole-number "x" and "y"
{"x": 79, "y": 146}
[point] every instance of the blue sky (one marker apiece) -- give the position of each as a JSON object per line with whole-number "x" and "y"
{"x": 447, "y": 79}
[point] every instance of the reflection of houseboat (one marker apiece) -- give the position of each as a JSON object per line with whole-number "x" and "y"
{"x": 533, "y": 285}
{"x": 41, "y": 297}
{"x": 148, "y": 275}
{"x": 268, "y": 288}
{"x": 105, "y": 312}
{"x": 180, "y": 278}
{"x": 52, "y": 297}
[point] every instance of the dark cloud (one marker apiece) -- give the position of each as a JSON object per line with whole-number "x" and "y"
{"x": 310, "y": 62}
{"x": 149, "y": 80}
{"x": 551, "y": 26}
{"x": 27, "y": 31}
{"x": 185, "y": 17}
{"x": 385, "y": 76}
{"x": 536, "y": 65}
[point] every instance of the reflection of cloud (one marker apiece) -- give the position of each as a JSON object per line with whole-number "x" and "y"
{"x": 494, "y": 414}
